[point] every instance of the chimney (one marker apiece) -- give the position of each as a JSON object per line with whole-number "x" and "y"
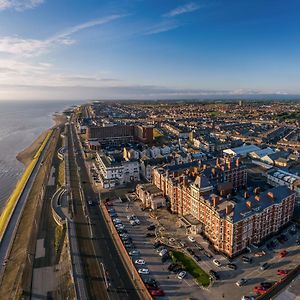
{"x": 246, "y": 195}
{"x": 249, "y": 204}
{"x": 228, "y": 164}
{"x": 237, "y": 162}
{"x": 204, "y": 167}
{"x": 217, "y": 162}
{"x": 215, "y": 199}
{"x": 271, "y": 195}
{"x": 229, "y": 208}
{"x": 257, "y": 198}
{"x": 257, "y": 191}
{"x": 213, "y": 171}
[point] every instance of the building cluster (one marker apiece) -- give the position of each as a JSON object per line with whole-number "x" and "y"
{"x": 194, "y": 159}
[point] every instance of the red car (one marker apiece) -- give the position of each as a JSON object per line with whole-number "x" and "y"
{"x": 259, "y": 289}
{"x": 282, "y": 253}
{"x": 157, "y": 292}
{"x": 282, "y": 272}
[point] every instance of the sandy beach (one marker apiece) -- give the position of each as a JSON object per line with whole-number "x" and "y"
{"x": 26, "y": 155}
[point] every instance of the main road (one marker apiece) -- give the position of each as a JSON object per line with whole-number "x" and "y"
{"x": 100, "y": 258}
{"x": 8, "y": 236}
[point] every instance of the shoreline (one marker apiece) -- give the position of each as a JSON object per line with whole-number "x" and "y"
{"x": 26, "y": 155}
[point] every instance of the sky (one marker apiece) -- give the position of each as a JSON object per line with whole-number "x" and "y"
{"x": 148, "y": 49}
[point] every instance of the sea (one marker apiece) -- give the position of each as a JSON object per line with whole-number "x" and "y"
{"x": 21, "y": 122}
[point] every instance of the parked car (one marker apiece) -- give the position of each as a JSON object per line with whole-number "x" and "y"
{"x": 283, "y": 253}
{"x": 181, "y": 275}
{"x": 260, "y": 253}
{"x": 191, "y": 238}
{"x": 298, "y": 241}
{"x": 132, "y": 222}
{"x": 144, "y": 271}
{"x": 282, "y": 272}
{"x": 197, "y": 257}
{"x": 165, "y": 257}
{"x": 150, "y": 281}
{"x": 191, "y": 251}
{"x": 264, "y": 266}
{"x": 232, "y": 266}
{"x": 266, "y": 285}
{"x": 207, "y": 254}
{"x": 139, "y": 262}
{"x": 157, "y": 244}
{"x": 163, "y": 252}
{"x": 217, "y": 262}
{"x": 214, "y": 275}
{"x": 134, "y": 253}
{"x": 157, "y": 292}
{"x": 182, "y": 244}
{"x": 150, "y": 234}
{"x": 199, "y": 247}
{"x": 241, "y": 282}
{"x": 259, "y": 290}
{"x": 137, "y": 221}
{"x": 248, "y": 298}
{"x": 247, "y": 259}
{"x": 151, "y": 227}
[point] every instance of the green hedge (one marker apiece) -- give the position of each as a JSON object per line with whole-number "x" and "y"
{"x": 190, "y": 266}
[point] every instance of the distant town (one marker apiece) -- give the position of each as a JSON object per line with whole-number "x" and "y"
{"x": 161, "y": 199}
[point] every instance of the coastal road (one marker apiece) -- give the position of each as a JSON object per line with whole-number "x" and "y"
{"x": 121, "y": 286}
{"x": 8, "y": 236}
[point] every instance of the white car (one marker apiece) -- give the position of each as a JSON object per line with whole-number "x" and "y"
{"x": 132, "y": 222}
{"x": 117, "y": 221}
{"x": 137, "y": 221}
{"x": 128, "y": 218}
{"x": 217, "y": 262}
{"x": 192, "y": 239}
{"x": 120, "y": 226}
{"x": 144, "y": 271}
{"x": 241, "y": 282}
{"x": 139, "y": 262}
{"x": 181, "y": 275}
{"x": 134, "y": 253}
{"x": 163, "y": 252}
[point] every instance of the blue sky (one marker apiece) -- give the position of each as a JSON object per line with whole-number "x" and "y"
{"x": 93, "y": 49}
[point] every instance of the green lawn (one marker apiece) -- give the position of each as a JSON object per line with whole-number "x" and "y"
{"x": 190, "y": 266}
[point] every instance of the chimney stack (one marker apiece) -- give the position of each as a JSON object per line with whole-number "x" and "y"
{"x": 213, "y": 171}
{"x": 271, "y": 195}
{"x": 229, "y": 208}
{"x": 257, "y": 198}
{"x": 246, "y": 195}
{"x": 257, "y": 191}
{"x": 215, "y": 199}
{"x": 249, "y": 204}
{"x": 237, "y": 162}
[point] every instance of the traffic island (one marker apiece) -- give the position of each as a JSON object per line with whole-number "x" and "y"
{"x": 191, "y": 267}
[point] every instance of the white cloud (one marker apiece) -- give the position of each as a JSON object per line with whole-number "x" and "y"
{"x": 19, "y": 5}
{"x": 33, "y": 47}
{"x": 161, "y": 27}
{"x": 187, "y": 8}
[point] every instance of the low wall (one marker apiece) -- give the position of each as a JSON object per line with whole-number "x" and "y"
{"x": 57, "y": 218}
{"x": 143, "y": 291}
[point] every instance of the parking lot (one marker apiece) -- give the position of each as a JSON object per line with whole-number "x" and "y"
{"x": 166, "y": 230}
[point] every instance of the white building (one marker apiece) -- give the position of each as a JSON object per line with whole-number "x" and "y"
{"x": 116, "y": 172}
{"x": 241, "y": 151}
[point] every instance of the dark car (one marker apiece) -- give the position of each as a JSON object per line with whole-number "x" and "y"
{"x": 199, "y": 247}
{"x": 151, "y": 287}
{"x": 232, "y": 266}
{"x": 151, "y": 227}
{"x": 165, "y": 258}
{"x": 171, "y": 266}
{"x": 266, "y": 285}
{"x": 284, "y": 238}
{"x": 150, "y": 281}
{"x": 149, "y": 234}
{"x": 157, "y": 244}
{"x": 190, "y": 251}
{"x": 197, "y": 257}
{"x": 247, "y": 259}
{"x": 298, "y": 241}
{"x": 214, "y": 275}
{"x": 207, "y": 254}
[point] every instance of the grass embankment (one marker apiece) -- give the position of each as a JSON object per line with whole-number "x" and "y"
{"x": 190, "y": 266}
{"x": 61, "y": 174}
{"x": 5, "y": 216}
